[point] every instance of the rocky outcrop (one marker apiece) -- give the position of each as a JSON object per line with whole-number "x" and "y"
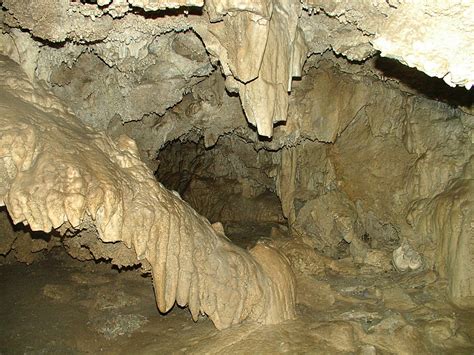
{"x": 404, "y": 163}
{"x": 430, "y": 36}
{"x": 259, "y": 45}
{"x": 58, "y": 171}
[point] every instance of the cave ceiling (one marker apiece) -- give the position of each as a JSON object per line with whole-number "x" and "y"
{"x": 158, "y": 49}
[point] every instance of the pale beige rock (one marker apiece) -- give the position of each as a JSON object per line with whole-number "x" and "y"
{"x": 323, "y": 33}
{"x": 436, "y": 37}
{"x": 406, "y": 259}
{"x": 260, "y": 45}
{"x": 269, "y": 51}
{"x": 448, "y": 219}
{"x": 63, "y": 171}
{"x": 218, "y": 8}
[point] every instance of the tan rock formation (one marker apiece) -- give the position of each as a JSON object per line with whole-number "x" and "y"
{"x": 260, "y": 45}
{"x": 371, "y": 158}
{"x": 59, "y": 170}
{"x": 404, "y": 162}
{"x": 261, "y": 48}
{"x": 425, "y": 35}
{"x": 433, "y": 36}
{"x": 448, "y": 219}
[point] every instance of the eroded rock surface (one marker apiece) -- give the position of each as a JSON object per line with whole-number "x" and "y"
{"x": 259, "y": 45}
{"x": 360, "y": 170}
{"x": 58, "y": 170}
{"x": 404, "y": 163}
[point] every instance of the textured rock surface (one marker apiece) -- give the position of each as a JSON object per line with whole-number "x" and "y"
{"x": 88, "y": 303}
{"x": 404, "y": 162}
{"x": 437, "y": 48}
{"x": 228, "y": 183}
{"x": 259, "y": 45}
{"x": 371, "y": 159}
{"x": 435, "y": 37}
{"x": 101, "y": 86}
{"x": 58, "y": 170}
{"x": 330, "y": 221}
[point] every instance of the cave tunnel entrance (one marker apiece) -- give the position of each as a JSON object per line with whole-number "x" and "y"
{"x": 345, "y": 202}
{"x": 365, "y": 191}
{"x": 230, "y": 183}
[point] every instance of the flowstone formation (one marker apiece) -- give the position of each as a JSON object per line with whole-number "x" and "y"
{"x": 259, "y": 45}
{"x": 398, "y": 173}
{"x": 56, "y": 170}
{"x": 346, "y": 127}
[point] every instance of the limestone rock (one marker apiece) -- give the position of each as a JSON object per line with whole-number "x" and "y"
{"x": 426, "y": 35}
{"x": 63, "y": 171}
{"x": 448, "y": 219}
{"x": 406, "y": 259}
{"x": 263, "y": 49}
{"x": 260, "y": 45}
{"x": 405, "y": 164}
{"x": 329, "y": 221}
{"x": 435, "y": 37}
{"x": 8, "y": 234}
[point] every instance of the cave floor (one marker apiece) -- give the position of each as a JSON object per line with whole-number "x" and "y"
{"x": 60, "y": 305}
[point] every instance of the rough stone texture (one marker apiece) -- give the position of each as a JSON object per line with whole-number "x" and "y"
{"x": 59, "y": 170}
{"x": 207, "y": 112}
{"x": 8, "y": 234}
{"x": 18, "y": 244}
{"x": 230, "y": 182}
{"x": 448, "y": 220}
{"x": 435, "y": 37}
{"x": 436, "y": 47}
{"x": 330, "y": 221}
{"x": 260, "y": 52}
{"x": 157, "y": 81}
{"x": 259, "y": 45}
{"x": 381, "y": 144}
{"x": 404, "y": 161}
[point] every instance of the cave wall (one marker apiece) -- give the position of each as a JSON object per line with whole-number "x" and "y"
{"x": 231, "y": 182}
{"x": 360, "y": 158}
{"x": 398, "y": 172}
{"x": 260, "y": 46}
{"x": 59, "y": 174}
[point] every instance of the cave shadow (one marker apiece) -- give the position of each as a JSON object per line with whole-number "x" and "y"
{"x": 20, "y": 227}
{"x": 430, "y": 87}
{"x": 169, "y": 12}
{"x": 181, "y": 10}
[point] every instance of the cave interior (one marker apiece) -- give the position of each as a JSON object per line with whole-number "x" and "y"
{"x": 230, "y": 176}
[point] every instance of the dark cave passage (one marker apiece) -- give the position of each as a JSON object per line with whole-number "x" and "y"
{"x": 236, "y": 177}
{"x": 230, "y": 183}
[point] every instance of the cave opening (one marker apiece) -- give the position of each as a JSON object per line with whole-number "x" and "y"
{"x": 236, "y": 177}
{"x": 229, "y": 183}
